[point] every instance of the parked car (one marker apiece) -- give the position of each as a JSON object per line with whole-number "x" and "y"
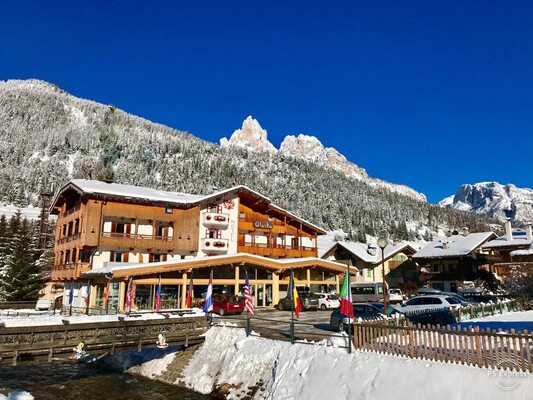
{"x": 327, "y": 301}
{"x": 43, "y": 305}
{"x": 360, "y": 310}
{"x": 482, "y": 298}
{"x": 390, "y": 309}
{"x": 224, "y": 303}
{"x": 429, "y": 302}
{"x": 461, "y": 299}
{"x": 425, "y": 290}
{"x": 309, "y": 301}
{"x": 395, "y": 296}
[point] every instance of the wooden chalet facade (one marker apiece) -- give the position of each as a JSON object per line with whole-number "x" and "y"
{"x": 368, "y": 259}
{"x": 103, "y": 226}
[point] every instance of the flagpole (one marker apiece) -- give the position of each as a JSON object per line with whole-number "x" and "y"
{"x": 350, "y": 297}
{"x": 291, "y": 288}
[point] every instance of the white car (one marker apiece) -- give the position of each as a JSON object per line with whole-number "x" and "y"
{"x": 43, "y": 304}
{"x": 326, "y": 301}
{"x": 429, "y": 302}
{"x": 395, "y": 295}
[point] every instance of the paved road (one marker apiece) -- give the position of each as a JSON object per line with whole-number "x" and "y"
{"x": 271, "y": 323}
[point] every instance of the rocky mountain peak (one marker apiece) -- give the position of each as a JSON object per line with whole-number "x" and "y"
{"x": 309, "y": 148}
{"x": 493, "y": 199}
{"x": 251, "y": 136}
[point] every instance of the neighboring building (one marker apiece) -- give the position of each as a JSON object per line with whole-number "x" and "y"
{"x": 446, "y": 263}
{"x": 105, "y": 226}
{"x": 515, "y": 248}
{"x": 368, "y": 259}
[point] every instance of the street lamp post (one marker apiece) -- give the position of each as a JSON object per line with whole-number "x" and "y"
{"x": 382, "y": 243}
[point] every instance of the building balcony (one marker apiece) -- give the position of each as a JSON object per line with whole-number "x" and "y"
{"x": 133, "y": 241}
{"x": 215, "y": 220}
{"x": 276, "y": 251}
{"x": 69, "y": 271}
{"x": 212, "y": 245}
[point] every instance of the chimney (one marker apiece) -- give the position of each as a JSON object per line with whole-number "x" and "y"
{"x": 445, "y": 245}
{"x": 508, "y": 230}
{"x": 528, "y": 232}
{"x": 465, "y": 231}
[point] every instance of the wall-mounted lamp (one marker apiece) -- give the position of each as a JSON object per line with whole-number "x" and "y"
{"x": 92, "y": 230}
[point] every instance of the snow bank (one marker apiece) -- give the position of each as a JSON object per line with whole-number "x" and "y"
{"x": 234, "y": 364}
{"x": 17, "y": 396}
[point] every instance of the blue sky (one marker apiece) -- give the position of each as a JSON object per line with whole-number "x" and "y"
{"x": 431, "y": 94}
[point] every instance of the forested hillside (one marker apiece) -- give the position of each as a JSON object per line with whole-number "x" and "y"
{"x": 48, "y": 137}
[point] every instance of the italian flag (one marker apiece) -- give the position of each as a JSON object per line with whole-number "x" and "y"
{"x": 346, "y": 297}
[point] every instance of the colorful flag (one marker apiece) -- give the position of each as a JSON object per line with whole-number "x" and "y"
{"x": 158, "y": 295}
{"x": 292, "y": 293}
{"x": 71, "y": 294}
{"x": 190, "y": 291}
{"x": 208, "y": 305}
{"x": 129, "y": 294}
{"x": 88, "y": 292}
{"x": 346, "y": 297}
{"x": 106, "y": 292}
{"x": 248, "y": 302}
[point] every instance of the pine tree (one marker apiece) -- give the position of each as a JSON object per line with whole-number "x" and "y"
{"x": 23, "y": 278}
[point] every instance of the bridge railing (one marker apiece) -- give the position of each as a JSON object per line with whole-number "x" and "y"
{"x": 99, "y": 337}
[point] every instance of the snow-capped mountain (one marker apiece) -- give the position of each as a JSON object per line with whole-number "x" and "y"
{"x": 494, "y": 199}
{"x": 250, "y": 137}
{"x": 308, "y": 148}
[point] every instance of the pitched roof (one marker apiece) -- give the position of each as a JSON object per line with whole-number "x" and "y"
{"x": 458, "y": 245}
{"x": 120, "y": 271}
{"x": 166, "y": 197}
{"x": 361, "y": 251}
{"x": 518, "y": 239}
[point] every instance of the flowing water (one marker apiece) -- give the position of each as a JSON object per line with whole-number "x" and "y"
{"x": 64, "y": 380}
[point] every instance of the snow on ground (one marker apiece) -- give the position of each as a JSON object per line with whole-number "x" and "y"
{"x": 38, "y": 319}
{"x": 314, "y": 371}
{"x": 235, "y": 364}
{"x": 509, "y": 317}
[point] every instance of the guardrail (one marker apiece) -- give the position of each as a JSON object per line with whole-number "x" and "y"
{"x": 98, "y": 337}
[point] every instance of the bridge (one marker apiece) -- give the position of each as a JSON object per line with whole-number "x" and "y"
{"x": 31, "y": 342}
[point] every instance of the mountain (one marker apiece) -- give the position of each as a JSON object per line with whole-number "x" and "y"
{"x": 48, "y": 136}
{"x": 493, "y": 199}
{"x": 253, "y": 137}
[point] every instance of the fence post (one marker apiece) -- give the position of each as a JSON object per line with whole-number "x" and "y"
{"x": 477, "y": 337}
{"x": 411, "y": 344}
{"x": 248, "y": 326}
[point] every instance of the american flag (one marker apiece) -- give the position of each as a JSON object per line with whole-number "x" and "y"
{"x": 190, "y": 291}
{"x": 248, "y": 302}
{"x": 129, "y": 294}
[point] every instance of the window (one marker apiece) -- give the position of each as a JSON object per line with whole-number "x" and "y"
{"x": 452, "y": 268}
{"x": 169, "y": 210}
{"x": 116, "y": 256}
{"x": 213, "y": 233}
{"x": 437, "y": 268}
{"x": 214, "y": 208}
{"x": 368, "y": 273}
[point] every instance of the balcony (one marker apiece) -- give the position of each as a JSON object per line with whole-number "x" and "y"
{"x": 269, "y": 250}
{"x": 212, "y": 245}
{"x": 215, "y": 220}
{"x": 143, "y": 241}
{"x": 69, "y": 271}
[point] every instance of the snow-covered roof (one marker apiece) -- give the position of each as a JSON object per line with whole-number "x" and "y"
{"x": 361, "y": 250}
{"x": 166, "y": 266}
{"x": 457, "y": 245}
{"x": 518, "y": 239}
{"x": 139, "y": 192}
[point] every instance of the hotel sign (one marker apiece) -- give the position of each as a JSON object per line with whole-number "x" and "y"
{"x": 260, "y": 224}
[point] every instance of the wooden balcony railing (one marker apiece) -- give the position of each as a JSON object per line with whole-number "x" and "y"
{"x": 69, "y": 271}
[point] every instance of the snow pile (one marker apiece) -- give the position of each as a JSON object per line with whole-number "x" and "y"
{"x": 17, "y": 396}
{"x": 231, "y": 363}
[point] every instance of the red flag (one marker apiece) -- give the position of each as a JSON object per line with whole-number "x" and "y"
{"x": 129, "y": 294}
{"x": 188, "y": 301}
{"x": 106, "y": 292}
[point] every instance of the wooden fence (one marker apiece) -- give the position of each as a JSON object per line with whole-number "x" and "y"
{"x": 475, "y": 347}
